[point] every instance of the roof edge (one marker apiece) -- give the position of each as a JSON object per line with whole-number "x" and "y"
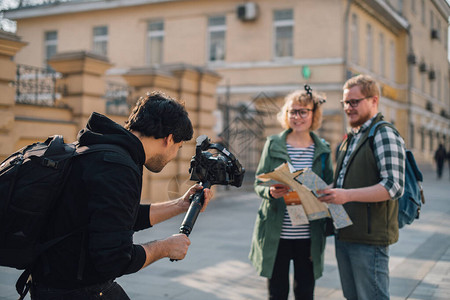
{"x": 60, "y": 8}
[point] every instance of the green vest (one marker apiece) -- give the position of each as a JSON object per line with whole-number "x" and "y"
{"x": 374, "y": 223}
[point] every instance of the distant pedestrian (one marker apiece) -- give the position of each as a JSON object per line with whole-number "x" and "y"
{"x": 277, "y": 239}
{"x": 439, "y": 158}
{"x": 448, "y": 158}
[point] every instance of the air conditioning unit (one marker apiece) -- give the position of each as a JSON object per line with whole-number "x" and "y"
{"x": 411, "y": 59}
{"x": 435, "y": 34}
{"x": 247, "y": 11}
{"x": 432, "y": 75}
{"x": 422, "y": 67}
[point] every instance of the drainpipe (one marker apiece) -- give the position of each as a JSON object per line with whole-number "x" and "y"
{"x": 227, "y": 116}
{"x": 199, "y": 98}
{"x": 346, "y": 39}
{"x": 410, "y": 63}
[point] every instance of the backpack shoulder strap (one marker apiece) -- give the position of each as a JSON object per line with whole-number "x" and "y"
{"x": 98, "y": 148}
{"x": 125, "y": 157}
{"x": 374, "y": 128}
{"x": 55, "y": 144}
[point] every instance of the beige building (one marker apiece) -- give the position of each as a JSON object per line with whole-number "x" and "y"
{"x": 263, "y": 50}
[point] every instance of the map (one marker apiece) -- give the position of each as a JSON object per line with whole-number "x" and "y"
{"x": 313, "y": 182}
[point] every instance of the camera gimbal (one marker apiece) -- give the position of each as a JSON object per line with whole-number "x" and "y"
{"x": 209, "y": 169}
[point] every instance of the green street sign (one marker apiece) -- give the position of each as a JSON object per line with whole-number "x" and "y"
{"x": 306, "y": 72}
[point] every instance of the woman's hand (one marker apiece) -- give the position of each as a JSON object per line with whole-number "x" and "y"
{"x": 278, "y": 190}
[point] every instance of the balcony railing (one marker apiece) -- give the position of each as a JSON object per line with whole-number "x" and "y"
{"x": 117, "y": 96}
{"x": 36, "y": 86}
{"x": 31, "y": 3}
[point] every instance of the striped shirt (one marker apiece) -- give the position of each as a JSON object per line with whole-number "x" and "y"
{"x": 301, "y": 158}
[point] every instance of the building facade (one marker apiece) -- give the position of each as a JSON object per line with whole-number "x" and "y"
{"x": 264, "y": 50}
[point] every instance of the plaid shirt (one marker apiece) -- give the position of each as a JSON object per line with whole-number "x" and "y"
{"x": 389, "y": 150}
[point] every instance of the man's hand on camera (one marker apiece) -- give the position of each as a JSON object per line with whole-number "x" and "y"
{"x": 185, "y": 202}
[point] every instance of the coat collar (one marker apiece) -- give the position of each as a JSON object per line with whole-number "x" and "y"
{"x": 280, "y": 143}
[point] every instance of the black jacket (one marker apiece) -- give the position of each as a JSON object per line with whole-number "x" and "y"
{"x": 100, "y": 203}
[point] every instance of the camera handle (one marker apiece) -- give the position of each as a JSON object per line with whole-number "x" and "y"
{"x": 197, "y": 201}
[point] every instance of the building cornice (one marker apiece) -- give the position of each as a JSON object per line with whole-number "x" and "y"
{"x": 443, "y": 7}
{"x": 326, "y": 61}
{"x": 281, "y": 89}
{"x": 9, "y": 36}
{"x": 383, "y": 12}
{"x": 70, "y": 7}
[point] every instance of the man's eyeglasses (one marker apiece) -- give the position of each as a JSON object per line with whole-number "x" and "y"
{"x": 352, "y": 102}
{"x": 303, "y": 113}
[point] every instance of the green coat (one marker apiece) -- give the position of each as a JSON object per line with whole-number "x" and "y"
{"x": 266, "y": 234}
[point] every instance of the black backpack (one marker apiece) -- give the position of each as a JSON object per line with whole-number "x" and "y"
{"x": 410, "y": 203}
{"x": 31, "y": 181}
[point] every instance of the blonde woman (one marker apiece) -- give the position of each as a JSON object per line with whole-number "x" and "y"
{"x": 276, "y": 241}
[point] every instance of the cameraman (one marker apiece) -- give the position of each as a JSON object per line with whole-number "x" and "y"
{"x": 100, "y": 205}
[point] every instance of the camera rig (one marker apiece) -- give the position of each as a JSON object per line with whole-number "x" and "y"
{"x": 209, "y": 169}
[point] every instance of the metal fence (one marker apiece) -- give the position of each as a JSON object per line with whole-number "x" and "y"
{"x": 244, "y": 126}
{"x": 36, "y": 86}
{"x": 117, "y": 96}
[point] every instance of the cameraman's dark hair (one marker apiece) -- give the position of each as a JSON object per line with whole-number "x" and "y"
{"x": 159, "y": 115}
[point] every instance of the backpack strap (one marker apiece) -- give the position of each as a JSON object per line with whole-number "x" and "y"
{"x": 55, "y": 143}
{"x": 127, "y": 160}
{"x": 374, "y": 128}
{"x": 23, "y": 284}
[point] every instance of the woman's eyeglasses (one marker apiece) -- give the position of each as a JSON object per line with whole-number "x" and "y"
{"x": 352, "y": 102}
{"x": 303, "y": 113}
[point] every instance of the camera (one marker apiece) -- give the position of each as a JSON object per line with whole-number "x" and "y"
{"x": 219, "y": 168}
{"x": 208, "y": 169}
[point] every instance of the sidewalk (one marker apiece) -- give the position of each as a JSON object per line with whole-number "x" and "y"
{"x": 217, "y": 266}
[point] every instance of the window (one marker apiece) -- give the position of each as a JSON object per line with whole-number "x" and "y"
{"x": 216, "y": 29}
{"x": 400, "y": 6}
{"x": 423, "y": 75}
{"x": 422, "y": 139}
{"x": 382, "y": 56}
{"x": 369, "y": 45}
{"x": 438, "y": 28}
{"x": 432, "y": 83}
{"x": 100, "y": 40}
{"x": 284, "y": 32}
{"x": 355, "y": 42}
{"x": 430, "y": 134}
{"x": 438, "y": 82}
{"x": 392, "y": 60}
{"x": 445, "y": 36}
{"x": 446, "y": 91}
{"x": 51, "y": 45}
{"x": 431, "y": 20}
{"x": 423, "y": 11}
{"x": 155, "y": 43}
